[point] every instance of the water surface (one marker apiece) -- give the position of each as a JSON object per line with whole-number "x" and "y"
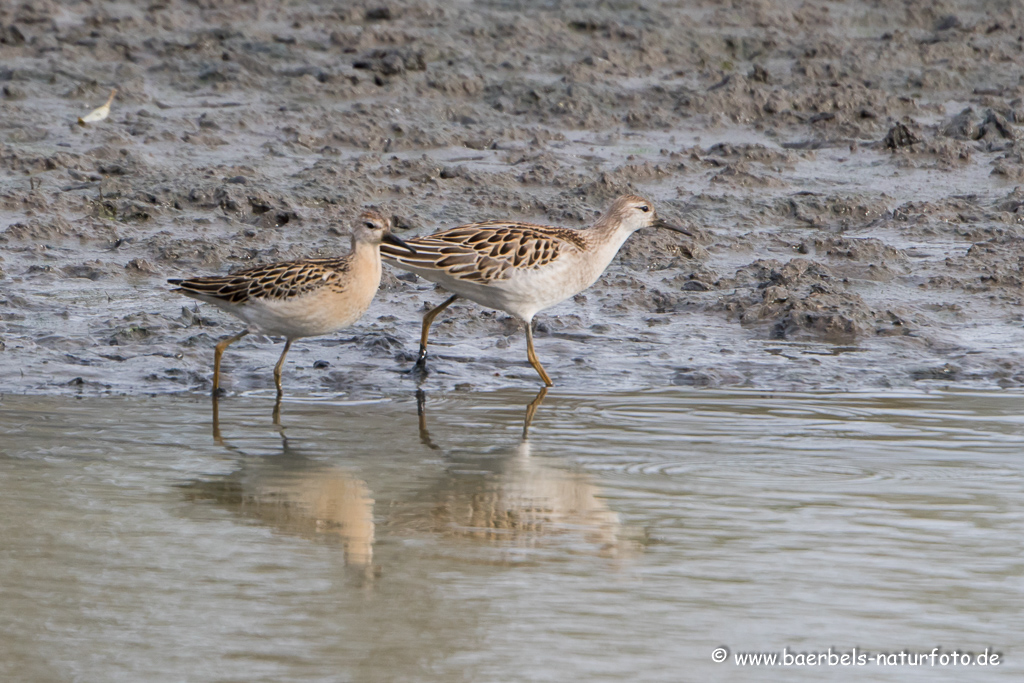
{"x": 627, "y": 537}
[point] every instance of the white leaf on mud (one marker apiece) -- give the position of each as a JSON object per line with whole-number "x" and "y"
{"x": 99, "y": 113}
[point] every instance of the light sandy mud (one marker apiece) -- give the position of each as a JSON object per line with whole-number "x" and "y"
{"x": 852, "y": 171}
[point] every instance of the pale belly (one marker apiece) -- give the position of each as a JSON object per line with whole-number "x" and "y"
{"x": 524, "y": 294}
{"x": 306, "y": 316}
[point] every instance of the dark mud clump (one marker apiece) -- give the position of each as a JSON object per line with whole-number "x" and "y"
{"x": 799, "y": 299}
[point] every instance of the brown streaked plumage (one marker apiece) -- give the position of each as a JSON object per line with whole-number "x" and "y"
{"x": 273, "y": 281}
{"x": 493, "y": 250}
{"x": 296, "y": 299}
{"x": 521, "y": 268}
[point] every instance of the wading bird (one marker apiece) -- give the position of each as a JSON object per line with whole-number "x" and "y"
{"x": 521, "y": 268}
{"x": 304, "y": 298}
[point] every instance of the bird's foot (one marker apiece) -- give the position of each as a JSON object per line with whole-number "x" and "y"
{"x": 419, "y": 369}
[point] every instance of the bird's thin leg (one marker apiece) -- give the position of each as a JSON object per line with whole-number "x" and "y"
{"x": 280, "y": 364}
{"x": 218, "y": 352}
{"x": 531, "y": 410}
{"x": 428, "y": 319}
{"x": 532, "y": 355}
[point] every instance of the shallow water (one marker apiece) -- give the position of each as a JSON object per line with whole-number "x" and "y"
{"x": 362, "y": 542}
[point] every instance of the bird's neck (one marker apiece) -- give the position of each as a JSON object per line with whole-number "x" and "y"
{"x": 603, "y": 243}
{"x": 606, "y": 237}
{"x": 366, "y": 260}
{"x": 608, "y": 229}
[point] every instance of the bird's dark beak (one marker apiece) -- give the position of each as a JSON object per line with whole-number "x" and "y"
{"x": 662, "y": 223}
{"x": 390, "y": 238}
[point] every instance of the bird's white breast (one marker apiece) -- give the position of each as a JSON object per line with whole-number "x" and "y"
{"x": 308, "y": 315}
{"x": 527, "y": 291}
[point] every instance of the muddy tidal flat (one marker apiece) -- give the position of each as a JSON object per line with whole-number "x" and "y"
{"x": 799, "y": 428}
{"x": 851, "y": 171}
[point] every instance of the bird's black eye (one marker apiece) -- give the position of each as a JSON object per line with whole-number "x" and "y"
{"x": 645, "y": 208}
{"x": 370, "y": 225}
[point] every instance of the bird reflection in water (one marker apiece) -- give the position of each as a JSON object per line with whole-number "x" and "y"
{"x": 512, "y": 497}
{"x": 491, "y": 497}
{"x": 295, "y": 495}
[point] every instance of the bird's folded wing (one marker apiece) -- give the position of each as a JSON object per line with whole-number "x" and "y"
{"x": 485, "y": 252}
{"x": 274, "y": 281}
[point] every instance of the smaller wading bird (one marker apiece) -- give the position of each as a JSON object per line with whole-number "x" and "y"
{"x": 296, "y": 299}
{"x": 520, "y": 268}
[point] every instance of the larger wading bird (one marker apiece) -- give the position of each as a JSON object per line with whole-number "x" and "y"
{"x": 521, "y": 268}
{"x": 296, "y": 299}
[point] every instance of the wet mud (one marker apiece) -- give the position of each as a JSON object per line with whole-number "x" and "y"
{"x": 851, "y": 172}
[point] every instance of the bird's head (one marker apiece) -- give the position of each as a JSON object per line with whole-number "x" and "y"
{"x": 374, "y": 228}
{"x": 634, "y": 213}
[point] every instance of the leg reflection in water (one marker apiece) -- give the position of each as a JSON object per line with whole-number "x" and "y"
{"x": 531, "y": 410}
{"x": 217, "y": 439}
{"x": 276, "y": 415}
{"x": 511, "y": 497}
{"x": 421, "y": 412}
{"x": 296, "y": 495}
{"x": 275, "y": 418}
